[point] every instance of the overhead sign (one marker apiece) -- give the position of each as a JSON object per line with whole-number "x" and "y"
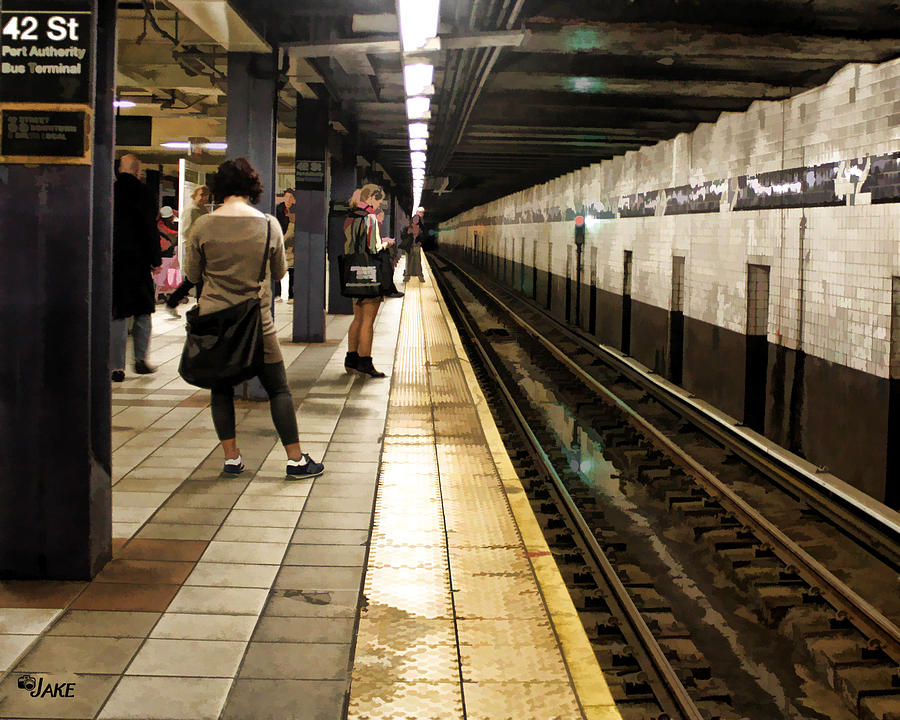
{"x": 49, "y": 136}
{"x": 45, "y": 54}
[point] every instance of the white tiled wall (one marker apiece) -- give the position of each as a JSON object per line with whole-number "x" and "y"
{"x": 845, "y": 256}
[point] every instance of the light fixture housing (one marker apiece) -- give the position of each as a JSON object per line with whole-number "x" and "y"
{"x": 418, "y": 22}
{"x": 417, "y": 108}
{"x": 418, "y": 130}
{"x": 418, "y": 79}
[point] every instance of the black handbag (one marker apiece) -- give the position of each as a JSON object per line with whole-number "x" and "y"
{"x": 361, "y": 273}
{"x": 225, "y": 347}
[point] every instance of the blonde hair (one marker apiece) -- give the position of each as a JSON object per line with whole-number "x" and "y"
{"x": 197, "y": 190}
{"x": 361, "y": 196}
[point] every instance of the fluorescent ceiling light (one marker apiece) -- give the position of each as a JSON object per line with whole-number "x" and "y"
{"x": 418, "y": 144}
{"x": 216, "y": 146}
{"x": 417, "y": 107}
{"x": 124, "y": 104}
{"x": 417, "y": 159}
{"x": 177, "y": 145}
{"x": 417, "y": 79}
{"x": 418, "y": 22}
{"x": 418, "y": 172}
{"x": 418, "y": 130}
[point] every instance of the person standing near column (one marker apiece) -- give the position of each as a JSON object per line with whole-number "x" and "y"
{"x": 284, "y": 212}
{"x": 136, "y": 253}
{"x": 416, "y": 232}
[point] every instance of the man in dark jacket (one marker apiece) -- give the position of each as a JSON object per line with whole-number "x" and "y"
{"x": 135, "y": 254}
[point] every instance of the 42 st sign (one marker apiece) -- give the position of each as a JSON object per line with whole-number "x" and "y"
{"x": 45, "y": 54}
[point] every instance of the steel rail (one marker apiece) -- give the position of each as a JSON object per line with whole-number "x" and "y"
{"x": 868, "y": 619}
{"x": 879, "y": 527}
{"x": 675, "y": 700}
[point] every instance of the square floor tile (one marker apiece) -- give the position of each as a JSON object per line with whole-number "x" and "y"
{"x": 26, "y": 621}
{"x": 188, "y": 658}
{"x": 244, "y": 552}
{"x": 89, "y": 693}
{"x": 219, "y": 601}
{"x": 268, "y": 502}
{"x": 321, "y": 536}
{"x": 172, "y": 698}
{"x": 83, "y": 655}
{"x": 336, "y": 520}
{"x": 297, "y": 661}
{"x": 101, "y": 623}
{"x": 304, "y": 577}
{"x": 326, "y": 555}
{"x": 263, "y": 518}
{"x": 174, "y": 531}
{"x": 187, "y": 515}
{"x": 255, "y": 699}
{"x": 185, "y": 626}
{"x": 236, "y": 533}
{"x": 145, "y": 571}
{"x": 125, "y": 596}
{"x": 38, "y": 593}
{"x": 202, "y": 500}
{"x": 315, "y": 603}
{"x": 175, "y": 550}
{"x": 11, "y": 646}
{"x": 233, "y": 575}
{"x": 362, "y": 504}
{"x": 304, "y": 630}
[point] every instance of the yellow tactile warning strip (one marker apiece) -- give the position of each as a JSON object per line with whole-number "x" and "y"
{"x": 454, "y": 624}
{"x": 587, "y": 676}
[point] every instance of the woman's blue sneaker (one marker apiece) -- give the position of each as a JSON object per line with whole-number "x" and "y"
{"x": 234, "y": 467}
{"x": 306, "y": 467}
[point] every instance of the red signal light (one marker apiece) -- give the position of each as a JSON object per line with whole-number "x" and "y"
{"x": 579, "y": 221}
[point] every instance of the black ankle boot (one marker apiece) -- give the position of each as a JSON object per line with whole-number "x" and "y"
{"x": 366, "y": 367}
{"x": 351, "y": 362}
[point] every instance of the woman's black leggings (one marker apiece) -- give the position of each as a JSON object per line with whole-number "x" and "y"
{"x": 281, "y": 404}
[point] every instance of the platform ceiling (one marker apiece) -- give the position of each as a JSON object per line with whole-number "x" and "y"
{"x": 526, "y": 90}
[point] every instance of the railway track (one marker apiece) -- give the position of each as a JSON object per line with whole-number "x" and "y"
{"x": 711, "y": 583}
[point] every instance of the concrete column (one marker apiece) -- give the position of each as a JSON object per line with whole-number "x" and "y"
{"x": 250, "y": 124}
{"x": 55, "y": 490}
{"x": 250, "y": 131}
{"x": 311, "y": 213}
{"x": 343, "y": 183}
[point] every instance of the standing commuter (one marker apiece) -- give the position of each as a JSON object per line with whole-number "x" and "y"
{"x": 226, "y": 249}
{"x": 284, "y": 211}
{"x": 416, "y": 233}
{"x": 362, "y": 222}
{"x": 200, "y": 200}
{"x": 136, "y": 253}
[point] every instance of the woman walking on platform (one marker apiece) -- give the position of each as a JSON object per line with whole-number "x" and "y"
{"x": 362, "y": 222}
{"x": 225, "y": 249}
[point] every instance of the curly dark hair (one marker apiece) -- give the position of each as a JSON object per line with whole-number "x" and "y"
{"x": 236, "y": 177}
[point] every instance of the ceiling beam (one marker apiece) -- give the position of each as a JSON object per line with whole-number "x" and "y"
{"x": 512, "y": 38}
{"x": 677, "y": 40}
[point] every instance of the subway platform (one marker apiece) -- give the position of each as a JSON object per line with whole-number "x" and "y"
{"x": 410, "y": 580}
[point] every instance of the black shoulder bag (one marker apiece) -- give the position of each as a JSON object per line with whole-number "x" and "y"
{"x": 225, "y": 347}
{"x": 361, "y": 272}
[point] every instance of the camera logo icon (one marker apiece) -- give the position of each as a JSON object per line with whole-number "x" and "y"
{"x": 27, "y": 682}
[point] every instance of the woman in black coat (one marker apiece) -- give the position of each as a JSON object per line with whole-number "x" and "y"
{"x": 135, "y": 254}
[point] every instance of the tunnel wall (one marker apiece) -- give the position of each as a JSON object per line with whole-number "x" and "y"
{"x": 807, "y": 190}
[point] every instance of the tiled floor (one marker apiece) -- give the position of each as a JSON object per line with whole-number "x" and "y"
{"x": 239, "y": 597}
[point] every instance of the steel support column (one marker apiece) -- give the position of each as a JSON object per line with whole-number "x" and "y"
{"x": 55, "y": 454}
{"x": 311, "y": 213}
